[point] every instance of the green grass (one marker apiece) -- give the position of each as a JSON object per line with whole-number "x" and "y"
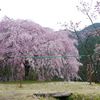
{"x": 26, "y": 82}
{"x": 84, "y": 97}
{"x": 80, "y": 90}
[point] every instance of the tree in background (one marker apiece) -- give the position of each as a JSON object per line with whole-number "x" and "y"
{"x": 93, "y": 40}
{"x": 26, "y": 38}
{"x": 91, "y": 13}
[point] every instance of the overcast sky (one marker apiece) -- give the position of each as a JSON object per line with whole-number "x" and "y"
{"x": 47, "y": 13}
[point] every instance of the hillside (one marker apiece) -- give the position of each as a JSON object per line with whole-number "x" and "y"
{"x": 90, "y": 43}
{"x": 89, "y": 28}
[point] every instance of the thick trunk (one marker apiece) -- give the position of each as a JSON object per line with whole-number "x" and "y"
{"x": 97, "y": 78}
{"x": 27, "y": 67}
{"x": 27, "y": 72}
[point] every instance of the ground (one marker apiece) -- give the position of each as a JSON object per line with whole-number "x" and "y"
{"x": 13, "y": 92}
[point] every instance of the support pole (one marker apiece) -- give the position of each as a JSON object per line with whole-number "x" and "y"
{"x": 43, "y": 73}
{"x": 21, "y": 61}
{"x": 89, "y": 71}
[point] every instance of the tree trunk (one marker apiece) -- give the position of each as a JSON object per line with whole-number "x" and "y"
{"x": 27, "y": 72}
{"x": 96, "y": 78}
{"x": 27, "y": 67}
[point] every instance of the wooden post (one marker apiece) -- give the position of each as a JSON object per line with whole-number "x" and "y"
{"x": 89, "y": 70}
{"x": 21, "y": 61}
{"x": 43, "y": 73}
